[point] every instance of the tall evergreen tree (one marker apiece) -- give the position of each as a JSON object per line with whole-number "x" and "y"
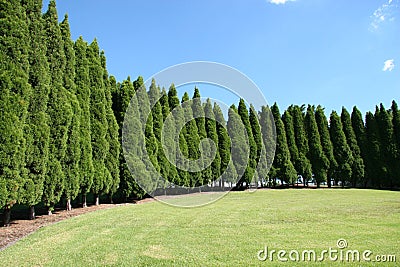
{"x": 341, "y": 150}
{"x": 302, "y": 165}
{"x": 167, "y": 142}
{"x": 193, "y": 141}
{"x": 211, "y": 129}
{"x": 59, "y": 110}
{"x": 98, "y": 120}
{"x": 319, "y": 161}
{"x": 326, "y": 143}
{"x": 164, "y": 104}
{"x": 359, "y": 132}
{"x": 287, "y": 120}
{"x": 256, "y": 131}
{"x": 240, "y": 150}
{"x": 252, "y": 163}
{"x": 374, "y": 160}
{"x": 388, "y": 147}
{"x": 14, "y": 99}
{"x": 282, "y": 166}
{"x": 71, "y": 162}
{"x": 358, "y": 163}
{"x": 37, "y": 130}
{"x": 128, "y": 185}
{"x": 153, "y": 124}
{"x": 133, "y": 143}
{"x": 224, "y": 145}
{"x": 82, "y": 82}
{"x": 150, "y": 155}
{"x": 268, "y": 133}
{"x": 206, "y": 153}
{"x": 180, "y": 135}
{"x": 396, "y": 137}
{"x": 112, "y": 158}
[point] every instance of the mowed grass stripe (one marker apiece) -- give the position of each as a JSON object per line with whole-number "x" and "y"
{"x": 228, "y": 232}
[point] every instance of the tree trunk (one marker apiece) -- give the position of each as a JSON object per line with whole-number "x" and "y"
{"x": 111, "y": 199}
{"x": 49, "y": 212}
{"x": 32, "y": 214}
{"x": 69, "y": 206}
{"x": 97, "y": 200}
{"x": 6, "y": 216}
{"x": 84, "y": 204}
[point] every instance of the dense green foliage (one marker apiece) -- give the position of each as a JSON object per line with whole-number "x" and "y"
{"x": 63, "y": 118}
{"x": 37, "y": 131}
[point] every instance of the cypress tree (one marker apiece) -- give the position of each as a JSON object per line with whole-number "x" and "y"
{"x": 112, "y": 158}
{"x": 59, "y": 109}
{"x": 388, "y": 147}
{"x": 396, "y": 123}
{"x": 71, "y": 160}
{"x": 318, "y": 160}
{"x": 14, "y": 100}
{"x": 133, "y": 143}
{"x": 150, "y": 145}
{"x": 373, "y": 152}
{"x": 164, "y": 104}
{"x": 153, "y": 124}
{"x": 302, "y": 165}
{"x": 341, "y": 150}
{"x": 37, "y": 131}
{"x": 358, "y": 163}
{"x": 224, "y": 146}
{"x": 282, "y": 166}
{"x": 82, "y": 82}
{"x": 198, "y": 112}
{"x": 359, "y": 132}
{"x": 128, "y": 185}
{"x": 211, "y": 129}
{"x": 252, "y": 163}
{"x": 154, "y": 97}
{"x": 167, "y": 142}
{"x": 173, "y": 100}
{"x": 180, "y": 135}
{"x": 256, "y": 131}
{"x": 206, "y": 153}
{"x": 287, "y": 120}
{"x": 98, "y": 120}
{"x": 396, "y": 137}
{"x": 193, "y": 141}
{"x": 268, "y": 133}
{"x": 240, "y": 150}
{"x": 326, "y": 143}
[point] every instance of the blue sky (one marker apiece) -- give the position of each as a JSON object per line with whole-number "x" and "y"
{"x": 330, "y": 52}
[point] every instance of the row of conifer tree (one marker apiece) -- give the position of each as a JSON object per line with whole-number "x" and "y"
{"x": 62, "y": 117}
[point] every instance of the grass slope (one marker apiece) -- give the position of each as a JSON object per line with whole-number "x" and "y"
{"x": 229, "y": 232}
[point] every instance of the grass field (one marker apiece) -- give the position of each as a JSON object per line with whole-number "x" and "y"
{"x": 229, "y": 232}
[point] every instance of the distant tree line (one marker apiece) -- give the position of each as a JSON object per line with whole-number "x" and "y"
{"x": 345, "y": 149}
{"x": 62, "y": 117}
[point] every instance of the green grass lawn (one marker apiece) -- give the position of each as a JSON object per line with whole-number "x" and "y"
{"x": 228, "y": 232}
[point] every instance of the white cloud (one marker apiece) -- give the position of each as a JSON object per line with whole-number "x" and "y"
{"x": 388, "y": 65}
{"x": 278, "y": 2}
{"x": 385, "y": 12}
